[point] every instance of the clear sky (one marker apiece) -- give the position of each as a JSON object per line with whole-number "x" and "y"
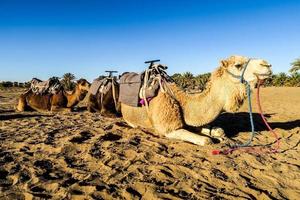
{"x": 45, "y": 38}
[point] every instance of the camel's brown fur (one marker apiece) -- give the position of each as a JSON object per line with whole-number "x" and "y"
{"x": 107, "y": 106}
{"x": 62, "y": 101}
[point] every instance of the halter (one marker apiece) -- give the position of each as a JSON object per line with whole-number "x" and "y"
{"x": 241, "y": 77}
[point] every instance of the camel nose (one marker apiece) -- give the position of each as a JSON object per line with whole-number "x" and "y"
{"x": 266, "y": 64}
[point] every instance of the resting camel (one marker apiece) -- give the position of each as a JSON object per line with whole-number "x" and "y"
{"x": 174, "y": 115}
{"x": 106, "y": 99}
{"x": 62, "y": 101}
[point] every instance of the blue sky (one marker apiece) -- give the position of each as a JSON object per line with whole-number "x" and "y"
{"x": 49, "y": 37}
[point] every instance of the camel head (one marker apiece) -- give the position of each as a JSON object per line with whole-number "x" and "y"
{"x": 255, "y": 69}
{"x": 83, "y": 86}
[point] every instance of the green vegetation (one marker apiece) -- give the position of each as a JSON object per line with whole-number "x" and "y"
{"x": 295, "y": 66}
{"x": 68, "y": 81}
{"x": 6, "y": 84}
{"x": 188, "y": 81}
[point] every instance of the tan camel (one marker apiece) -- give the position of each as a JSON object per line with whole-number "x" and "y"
{"x": 62, "y": 101}
{"x": 173, "y": 115}
{"x": 106, "y": 100}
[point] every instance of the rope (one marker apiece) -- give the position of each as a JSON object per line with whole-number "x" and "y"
{"x": 144, "y": 90}
{"x": 101, "y": 100}
{"x": 249, "y": 107}
{"x": 251, "y": 119}
{"x": 265, "y": 121}
{"x": 248, "y": 88}
{"x": 114, "y": 92}
{"x": 163, "y": 87}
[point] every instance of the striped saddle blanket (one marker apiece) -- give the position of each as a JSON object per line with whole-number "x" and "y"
{"x": 51, "y": 86}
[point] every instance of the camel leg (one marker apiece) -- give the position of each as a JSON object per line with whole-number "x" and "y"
{"x": 182, "y": 134}
{"x": 91, "y": 109}
{"x": 21, "y": 104}
{"x": 214, "y": 132}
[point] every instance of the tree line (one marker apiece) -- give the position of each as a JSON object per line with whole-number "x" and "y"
{"x": 188, "y": 81}
{"x": 67, "y": 81}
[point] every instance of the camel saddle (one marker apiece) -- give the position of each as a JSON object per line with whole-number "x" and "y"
{"x": 131, "y": 88}
{"x": 102, "y": 85}
{"x": 51, "y": 86}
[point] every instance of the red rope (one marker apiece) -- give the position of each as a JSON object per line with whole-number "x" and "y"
{"x": 258, "y": 150}
{"x": 265, "y": 121}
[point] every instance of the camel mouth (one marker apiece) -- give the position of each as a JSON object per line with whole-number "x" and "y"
{"x": 263, "y": 76}
{"x": 83, "y": 95}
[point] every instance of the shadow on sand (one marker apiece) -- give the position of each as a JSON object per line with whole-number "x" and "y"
{"x": 233, "y": 123}
{"x": 20, "y": 116}
{"x": 7, "y": 111}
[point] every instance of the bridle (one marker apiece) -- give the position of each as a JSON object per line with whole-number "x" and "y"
{"x": 241, "y": 77}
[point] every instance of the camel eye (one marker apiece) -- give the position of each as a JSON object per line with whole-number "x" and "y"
{"x": 238, "y": 65}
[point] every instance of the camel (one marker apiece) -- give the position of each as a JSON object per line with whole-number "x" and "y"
{"x": 62, "y": 101}
{"x": 174, "y": 116}
{"x": 105, "y": 101}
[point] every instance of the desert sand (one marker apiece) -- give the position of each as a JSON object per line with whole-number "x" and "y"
{"x": 82, "y": 155}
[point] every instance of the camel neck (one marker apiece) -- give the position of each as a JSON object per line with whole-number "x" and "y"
{"x": 203, "y": 108}
{"x": 73, "y": 97}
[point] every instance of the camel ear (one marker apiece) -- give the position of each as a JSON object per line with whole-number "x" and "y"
{"x": 80, "y": 81}
{"x": 224, "y": 63}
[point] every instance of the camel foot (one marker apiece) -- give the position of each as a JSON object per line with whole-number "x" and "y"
{"x": 185, "y": 135}
{"x": 215, "y": 132}
{"x": 19, "y": 108}
{"x": 130, "y": 124}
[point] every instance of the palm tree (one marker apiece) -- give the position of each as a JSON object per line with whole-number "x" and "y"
{"x": 202, "y": 79}
{"x": 280, "y": 79}
{"x": 188, "y": 75}
{"x": 295, "y": 66}
{"x": 68, "y": 81}
{"x": 188, "y": 81}
{"x": 294, "y": 80}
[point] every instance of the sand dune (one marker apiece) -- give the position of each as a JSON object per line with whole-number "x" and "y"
{"x": 82, "y": 155}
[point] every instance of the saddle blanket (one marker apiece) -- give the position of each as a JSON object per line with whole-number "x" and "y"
{"x": 100, "y": 85}
{"x": 51, "y": 86}
{"x": 130, "y": 84}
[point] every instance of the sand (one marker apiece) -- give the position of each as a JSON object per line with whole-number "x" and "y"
{"x": 82, "y": 155}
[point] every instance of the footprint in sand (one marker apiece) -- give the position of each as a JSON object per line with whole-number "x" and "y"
{"x": 84, "y": 136}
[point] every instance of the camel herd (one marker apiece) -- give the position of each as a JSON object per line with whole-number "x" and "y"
{"x": 172, "y": 113}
